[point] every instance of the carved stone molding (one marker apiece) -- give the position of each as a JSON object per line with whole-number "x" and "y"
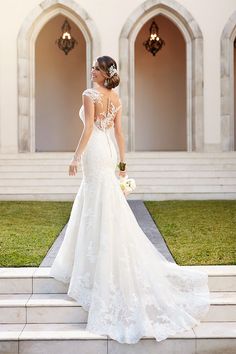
{"x": 27, "y": 36}
{"x": 227, "y": 84}
{"x": 194, "y": 45}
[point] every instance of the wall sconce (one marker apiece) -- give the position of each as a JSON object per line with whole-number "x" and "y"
{"x": 154, "y": 43}
{"x": 66, "y": 42}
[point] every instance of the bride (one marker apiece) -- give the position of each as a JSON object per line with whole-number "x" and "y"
{"x": 112, "y": 269}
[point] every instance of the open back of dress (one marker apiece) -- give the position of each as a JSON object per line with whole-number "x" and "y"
{"x": 106, "y": 107}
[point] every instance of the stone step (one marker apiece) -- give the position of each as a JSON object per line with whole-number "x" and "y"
{"x": 141, "y": 189}
{"x": 133, "y": 196}
{"x": 27, "y": 280}
{"x": 50, "y": 339}
{"x": 130, "y": 154}
{"x": 203, "y": 195}
{"x": 52, "y": 172}
{"x": 140, "y": 181}
{"x": 147, "y": 162}
{"x": 159, "y": 176}
{"x": 140, "y": 158}
{"x": 207, "y": 338}
{"x": 167, "y": 163}
{"x": 60, "y": 308}
{"x": 157, "y": 170}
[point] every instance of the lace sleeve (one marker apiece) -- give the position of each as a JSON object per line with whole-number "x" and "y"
{"x": 91, "y": 93}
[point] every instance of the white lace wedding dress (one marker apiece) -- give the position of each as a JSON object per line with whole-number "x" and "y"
{"x": 114, "y": 272}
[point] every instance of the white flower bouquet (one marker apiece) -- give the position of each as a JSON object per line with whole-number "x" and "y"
{"x": 127, "y": 184}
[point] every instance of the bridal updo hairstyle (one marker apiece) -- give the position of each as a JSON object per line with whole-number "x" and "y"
{"x": 104, "y": 63}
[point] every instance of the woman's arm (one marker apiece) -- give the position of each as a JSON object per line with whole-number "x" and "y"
{"x": 87, "y": 131}
{"x": 120, "y": 137}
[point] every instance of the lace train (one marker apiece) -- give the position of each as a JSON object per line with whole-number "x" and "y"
{"x": 118, "y": 276}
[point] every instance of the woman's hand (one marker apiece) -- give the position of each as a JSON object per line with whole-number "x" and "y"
{"x": 73, "y": 167}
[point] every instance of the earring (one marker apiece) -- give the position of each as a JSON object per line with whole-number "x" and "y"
{"x": 105, "y": 82}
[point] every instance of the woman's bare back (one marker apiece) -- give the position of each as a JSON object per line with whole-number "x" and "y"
{"x": 106, "y": 106}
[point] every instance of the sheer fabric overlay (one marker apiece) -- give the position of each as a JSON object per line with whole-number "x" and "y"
{"x": 114, "y": 272}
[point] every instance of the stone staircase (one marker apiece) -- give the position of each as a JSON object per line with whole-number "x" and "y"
{"x": 38, "y": 317}
{"x": 159, "y": 176}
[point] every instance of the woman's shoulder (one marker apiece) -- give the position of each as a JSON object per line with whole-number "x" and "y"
{"x": 91, "y": 92}
{"x": 118, "y": 99}
{"x": 96, "y": 95}
{"x": 115, "y": 95}
{"x": 88, "y": 91}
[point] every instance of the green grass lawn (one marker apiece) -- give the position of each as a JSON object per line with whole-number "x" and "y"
{"x": 28, "y": 229}
{"x": 197, "y": 232}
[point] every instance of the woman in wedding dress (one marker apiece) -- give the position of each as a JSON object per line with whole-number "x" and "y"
{"x": 114, "y": 272}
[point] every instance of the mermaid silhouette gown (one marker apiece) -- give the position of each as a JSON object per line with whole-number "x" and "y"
{"x": 114, "y": 272}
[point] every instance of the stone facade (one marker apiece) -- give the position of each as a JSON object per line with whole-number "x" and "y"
{"x": 208, "y": 129}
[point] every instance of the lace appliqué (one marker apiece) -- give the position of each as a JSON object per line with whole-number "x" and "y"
{"x": 82, "y": 290}
{"x": 93, "y": 94}
{"x": 106, "y": 120}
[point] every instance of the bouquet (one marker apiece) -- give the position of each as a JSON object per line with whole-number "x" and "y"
{"x": 127, "y": 184}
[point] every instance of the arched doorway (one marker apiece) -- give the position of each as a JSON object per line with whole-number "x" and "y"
{"x": 160, "y": 90}
{"x": 228, "y": 86}
{"x": 192, "y": 35}
{"x": 30, "y": 29}
{"x": 59, "y": 79}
